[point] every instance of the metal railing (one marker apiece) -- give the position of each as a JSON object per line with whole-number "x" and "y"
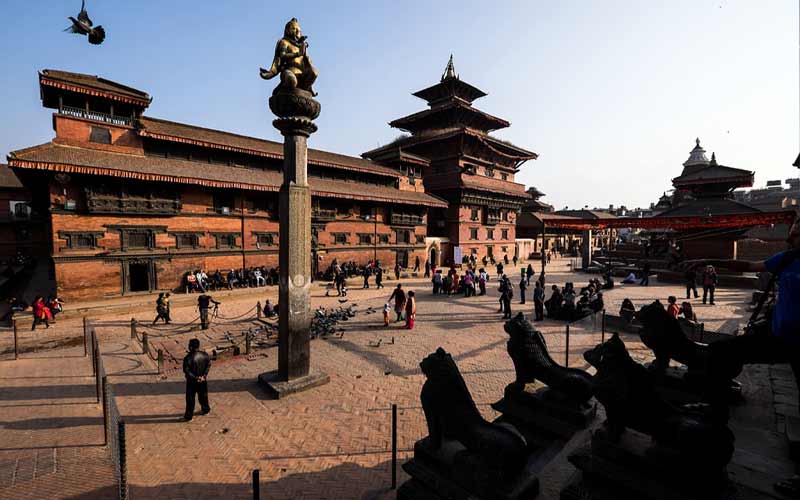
{"x": 113, "y": 425}
{"x": 96, "y": 115}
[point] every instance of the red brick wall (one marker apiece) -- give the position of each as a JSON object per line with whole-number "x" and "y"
{"x": 76, "y": 131}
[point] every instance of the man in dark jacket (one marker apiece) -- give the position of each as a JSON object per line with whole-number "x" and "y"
{"x": 203, "y": 303}
{"x": 195, "y": 367}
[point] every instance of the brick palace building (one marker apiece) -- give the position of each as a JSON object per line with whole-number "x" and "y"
{"x": 130, "y": 203}
{"x": 449, "y": 147}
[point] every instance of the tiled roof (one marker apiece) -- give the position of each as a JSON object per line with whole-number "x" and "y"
{"x": 452, "y": 112}
{"x": 712, "y": 173}
{"x": 709, "y": 206}
{"x": 55, "y": 157}
{"x": 493, "y": 185}
{"x": 8, "y": 179}
{"x": 585, "y": 214}
{"x": 94, "y": 82}
{"x": 181, "y": 132}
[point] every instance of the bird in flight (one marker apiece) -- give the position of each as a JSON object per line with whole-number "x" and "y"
{"x": 83, "y": 26}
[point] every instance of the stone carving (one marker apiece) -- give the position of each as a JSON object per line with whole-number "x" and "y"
{"x": 663, "y": 334}
{"x": 291, "y": 62}
{"x": 627, "y": 391}
{"x": 528, "y": 351}
{"x": 451, "y": 414}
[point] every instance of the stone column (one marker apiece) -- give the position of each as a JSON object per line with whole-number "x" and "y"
{"x": 586, "y": 249}
{"x": 295, "y": 110}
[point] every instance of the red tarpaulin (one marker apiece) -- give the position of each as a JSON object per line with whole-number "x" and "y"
{"x": 677, "y": 223}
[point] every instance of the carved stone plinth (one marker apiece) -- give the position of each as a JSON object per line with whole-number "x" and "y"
{"x": 452, "y": 472}
{"x": 278, "y": 388}
{"x": 680, "y": 386}
{"x": 634, "y": 468}
{"x": 295, "y": 110}
{"x": 546, "y": 410}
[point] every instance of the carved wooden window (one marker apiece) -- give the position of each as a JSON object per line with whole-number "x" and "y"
{"x": 265, "y": 239}
{"x": 420, "y": 238}
{"x": 100, "y": 135}
{"x": 364, "y": 239}
{"x": 139, "y": 240}
{"x": 80, "y": 240}
{"x": 384, "y": 238}
{"x": 504, "y": 249}
{"x": 226, "y": 240}
{"x": 339, "y": 238}
{"x": 403, "y": 235}
{"x": 187, "y": 240}
{"x": 473, "y": 233}
{"x": 504, "y": 233}
{"x": 504, "y": 177}
{"x": 474, "y": 214}
{"x": 490, "y": 234}
{"x": 489, "y": 171}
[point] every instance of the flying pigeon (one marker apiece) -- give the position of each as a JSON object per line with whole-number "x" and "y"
{"x": 83, "y": 26}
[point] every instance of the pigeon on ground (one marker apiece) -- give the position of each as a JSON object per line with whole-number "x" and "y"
{"x": 342, "y": 301}
{"x": 83, "y": 26}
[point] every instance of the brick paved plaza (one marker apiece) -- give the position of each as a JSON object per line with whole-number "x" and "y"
{"x": 331, "y": 442}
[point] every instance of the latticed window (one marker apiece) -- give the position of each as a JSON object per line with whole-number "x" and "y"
{"x": 490, "y": 234}
{"x": 83, "y": 241}
{"x": 340, "y": 238}
{"x": 187, "y": 240}
{"x": 139, "y": 240}
{"x": 504, "y": 233}
{"x": 384, "y": 238}
{"x": 267, "y": 239}
{"x": 364, "y": 239}
{"x": 473, "y": 233}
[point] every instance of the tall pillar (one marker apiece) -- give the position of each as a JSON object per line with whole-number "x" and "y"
{"x": 295, "y": 109}
{"x": 586, "y": 249}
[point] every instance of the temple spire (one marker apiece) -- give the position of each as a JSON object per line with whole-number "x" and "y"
{"x": 697, "y": 156}
{"x": 450, "y": 70}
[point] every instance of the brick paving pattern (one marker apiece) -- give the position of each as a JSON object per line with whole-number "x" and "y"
{"x": 330, "y": 442}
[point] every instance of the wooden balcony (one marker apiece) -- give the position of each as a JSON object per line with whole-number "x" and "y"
{"x": 323, "y": 214}
{"x": 406, "y": 220}
{"x": 96, "y": 116}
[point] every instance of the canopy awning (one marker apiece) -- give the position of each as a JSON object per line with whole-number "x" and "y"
{"x": 677, "y": 223}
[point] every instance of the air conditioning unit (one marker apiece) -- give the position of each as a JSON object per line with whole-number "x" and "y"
{"x": 225, "y": 210}
{"x": 69, "y": 205}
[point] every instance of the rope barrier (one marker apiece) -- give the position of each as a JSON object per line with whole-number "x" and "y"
{"x": 240, "y": 316}
{"x": 169, "y": 328}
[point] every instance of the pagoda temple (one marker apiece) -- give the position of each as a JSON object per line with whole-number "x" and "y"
{"x": 705, "y": 188}
{"x": 449, "y": 151}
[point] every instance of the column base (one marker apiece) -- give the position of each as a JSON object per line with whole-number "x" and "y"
{"x": 278, "y": 388}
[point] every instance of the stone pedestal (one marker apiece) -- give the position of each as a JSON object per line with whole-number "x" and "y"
{"x": 635, "y": 469}
{"x": 545, "y": 411}
{"x": 295, "y": 110}
{"x": 454, "y": 473}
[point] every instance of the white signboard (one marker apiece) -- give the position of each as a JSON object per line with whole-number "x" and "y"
{"x": 456, "y": 255}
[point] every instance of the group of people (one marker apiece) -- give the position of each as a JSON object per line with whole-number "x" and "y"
{"x": 567, "y": 304}
{"x": 708, "y": 280}
{"x": 470, "y": 284}
{"x": 45, "y": 310}
{"x": 251, "y": 277}
{"x": 405, "y": 307}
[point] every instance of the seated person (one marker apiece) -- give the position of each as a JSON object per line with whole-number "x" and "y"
{"x": 688, "y": 311}
{"x": 608, "y": 282}
{"x": 554, "y": 303}
{"x": 673, "y": 308}
{"x": 629, "y": 279}
{"x": 597, "y": 304}
{"x": 269, "y": 310}
{"x": 627, "y": 310}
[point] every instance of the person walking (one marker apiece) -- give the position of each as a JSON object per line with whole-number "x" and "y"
{"x": 538, "y": 301}
{"x": 411, "y": 310}
{"x": 386, "y": 308}
{"x": 529, "y": 273}
{"x": 41, "y": 313}
{"x": 161, "y": 311}
{"x": 499, "y": 268}
{"x": 366, "y": 274}
{"x": 691, "y": 282}
{"x": 196, "y": 365}
{"x": 427, "y": 269}
{"x": 399, "y": 296}
{"x": 397, "y": 269}
{"x": 505, "y": 300}
{"x": 203, "y": 303}
{"x": 709, "y": 284}
{"x": 522, "y": 288}
{"x": 379, "y": 277}
{"x": 482, "y": 278}
{"x": 416, "y": 264}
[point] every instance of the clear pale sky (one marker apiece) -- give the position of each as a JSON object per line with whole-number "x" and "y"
{"x": 611, "y": 94}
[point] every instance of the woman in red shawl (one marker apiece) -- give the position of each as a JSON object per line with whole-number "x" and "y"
{"x": 411, "y": 310}
{"x": 41, "y": 313}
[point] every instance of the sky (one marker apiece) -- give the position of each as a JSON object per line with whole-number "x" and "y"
{"x": 610, "y": 94}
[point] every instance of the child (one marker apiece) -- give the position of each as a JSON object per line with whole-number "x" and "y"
{"x": 344, "y": 290}
{"x": 673, "y": 308}
{"x": 386, "y": 308}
